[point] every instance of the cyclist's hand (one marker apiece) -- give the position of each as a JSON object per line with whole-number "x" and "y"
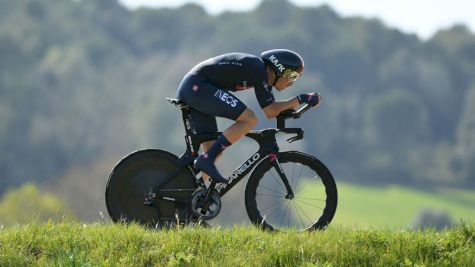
{"x": 313, "y": 99}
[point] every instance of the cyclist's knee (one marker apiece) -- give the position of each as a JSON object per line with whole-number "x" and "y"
{"x": 249, "y": 117}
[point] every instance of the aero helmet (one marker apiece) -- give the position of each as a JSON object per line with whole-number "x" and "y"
{"x": 285, "y": 63}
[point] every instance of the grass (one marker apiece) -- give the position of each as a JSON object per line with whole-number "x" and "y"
{"x": 369, "y": 229}
{"x": 75, "y": 244}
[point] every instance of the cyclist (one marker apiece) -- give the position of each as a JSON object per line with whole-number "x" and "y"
{"x": 207, "y": 89}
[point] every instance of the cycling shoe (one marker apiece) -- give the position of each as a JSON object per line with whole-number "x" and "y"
{"x": 206, "y": 165}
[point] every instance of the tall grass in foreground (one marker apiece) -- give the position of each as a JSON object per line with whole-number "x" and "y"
{"x": 75, "y": 244}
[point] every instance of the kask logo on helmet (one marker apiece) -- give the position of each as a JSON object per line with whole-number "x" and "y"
{"x": 226, "y": 98}
{"x": 276, "y": 63}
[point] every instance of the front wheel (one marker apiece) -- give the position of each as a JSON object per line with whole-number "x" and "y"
{"x": 314, "y": 199}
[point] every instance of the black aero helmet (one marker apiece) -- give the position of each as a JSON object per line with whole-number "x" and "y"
{"x": 286, "y": 63}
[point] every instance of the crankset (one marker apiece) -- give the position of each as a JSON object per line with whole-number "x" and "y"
{"x": 206, "y": 208}
{"x": 151, "y": 198}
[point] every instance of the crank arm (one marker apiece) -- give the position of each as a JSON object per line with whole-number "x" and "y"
{"x": 152, "y": 198}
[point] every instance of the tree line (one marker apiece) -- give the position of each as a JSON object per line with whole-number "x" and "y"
{"x": 83, "y": 82}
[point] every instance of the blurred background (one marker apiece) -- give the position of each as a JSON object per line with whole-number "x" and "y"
{"x": 83, "y": 82}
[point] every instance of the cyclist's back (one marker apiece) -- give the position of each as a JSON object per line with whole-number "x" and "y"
{"x": 233, "y": 71}
{"x": 236, "y": 72}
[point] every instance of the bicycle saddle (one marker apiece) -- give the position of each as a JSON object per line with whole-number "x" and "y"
{"x": 177, "y": 102}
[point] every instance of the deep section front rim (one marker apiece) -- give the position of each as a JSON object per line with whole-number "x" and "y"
{"x": 313, "y": 204}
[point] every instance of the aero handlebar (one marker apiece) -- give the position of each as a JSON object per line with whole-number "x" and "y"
{"x": 290, "y": 114}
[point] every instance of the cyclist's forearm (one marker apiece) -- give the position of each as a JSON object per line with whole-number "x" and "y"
{"x": 288, "y": 104}
{"x": 274, "y": 109}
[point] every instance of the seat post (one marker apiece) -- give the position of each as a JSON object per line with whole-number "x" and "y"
{"x": 185, "y": 113}
{"x": 190, "y": 131}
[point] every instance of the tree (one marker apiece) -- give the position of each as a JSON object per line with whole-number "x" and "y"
{"x": 465, "y": 149}
{"x": 396, "y": 120}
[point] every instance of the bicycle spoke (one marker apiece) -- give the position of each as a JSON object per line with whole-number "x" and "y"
{"x": 299, "y": 180}
{"x": 283, "y": 217}
{"x": 274, "y": 210}
{"x": 300, "y": 173}
{"x": 292, "y": 179}
{"x": 272, "y": 190}
{"x": 298, "y": 177}
{"x": 309, "y": 204}
{"x": 303, "y": 211}
{"x": 298, "y": 213}
{"x": 317, "y": 199}
{"x": 314, "y": 177}
{"x": 269, "y": 195}
{"x": 290, "y": 211}
{"x": 293, "y": 213}
{"x": 293, "y": 175}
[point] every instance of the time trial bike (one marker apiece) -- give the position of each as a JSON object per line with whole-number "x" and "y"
{"x": 285, "y": 190}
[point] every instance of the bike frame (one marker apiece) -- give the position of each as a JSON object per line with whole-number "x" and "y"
{"x": 268, "y": 149}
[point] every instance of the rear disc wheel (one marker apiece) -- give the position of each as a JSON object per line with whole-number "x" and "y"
{"x": 144, "y": 172}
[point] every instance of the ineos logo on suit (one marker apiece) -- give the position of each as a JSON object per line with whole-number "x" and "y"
{"x": 226, "y": 98}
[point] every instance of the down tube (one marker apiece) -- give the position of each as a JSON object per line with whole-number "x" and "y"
{"x": 241, "y": 172}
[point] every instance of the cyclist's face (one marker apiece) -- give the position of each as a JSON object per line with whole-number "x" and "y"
{"x": 282, "y": 83}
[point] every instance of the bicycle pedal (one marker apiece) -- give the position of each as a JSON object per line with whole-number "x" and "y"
{"x": 149, "y": 202}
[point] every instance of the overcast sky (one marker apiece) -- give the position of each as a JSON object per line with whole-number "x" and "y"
{"x": 423, "y": 17}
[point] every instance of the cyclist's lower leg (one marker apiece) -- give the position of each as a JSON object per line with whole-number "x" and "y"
{"x": 244, "y": 123}
{"x": 205, "y": 146}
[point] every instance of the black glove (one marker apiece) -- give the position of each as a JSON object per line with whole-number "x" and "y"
{"x": 312, "y": 99}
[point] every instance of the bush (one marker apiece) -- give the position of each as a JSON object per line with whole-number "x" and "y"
{"x": 430, "y": 218}
{"x": 27, "y": 204}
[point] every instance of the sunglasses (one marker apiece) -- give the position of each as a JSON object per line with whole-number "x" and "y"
{"x": 291, "y": 75}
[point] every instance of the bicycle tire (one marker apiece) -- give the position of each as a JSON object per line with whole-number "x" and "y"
{"x": 138, "y": 173}
{"x": 306, "y": 175}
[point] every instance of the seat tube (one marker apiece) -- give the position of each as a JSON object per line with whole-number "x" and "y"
{"x": 189, "y": 131}
{"x": 185, "y": 112}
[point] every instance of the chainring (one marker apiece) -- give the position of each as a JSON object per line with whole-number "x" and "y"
{"x": 199, "y": 202}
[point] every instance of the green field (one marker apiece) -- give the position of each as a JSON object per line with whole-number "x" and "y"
{"x": 396, "y": 207}
{"x": 76, "y": 244}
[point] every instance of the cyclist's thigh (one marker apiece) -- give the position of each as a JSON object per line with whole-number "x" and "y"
{"x": 203, "y": 123}
{"x": 209, "y": 99}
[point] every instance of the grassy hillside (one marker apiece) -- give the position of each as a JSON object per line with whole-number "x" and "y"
{"x": 74, "y": 244}
{"x": 396, "y": 207}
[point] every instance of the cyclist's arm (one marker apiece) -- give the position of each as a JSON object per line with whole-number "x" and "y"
{"x": 277, "y": 107}
{"x": 266, "y": 99}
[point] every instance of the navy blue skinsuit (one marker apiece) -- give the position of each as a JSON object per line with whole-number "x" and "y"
{"x": 206, "y": 88}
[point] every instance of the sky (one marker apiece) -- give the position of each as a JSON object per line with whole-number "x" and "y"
{"x": 422, "y": 17}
